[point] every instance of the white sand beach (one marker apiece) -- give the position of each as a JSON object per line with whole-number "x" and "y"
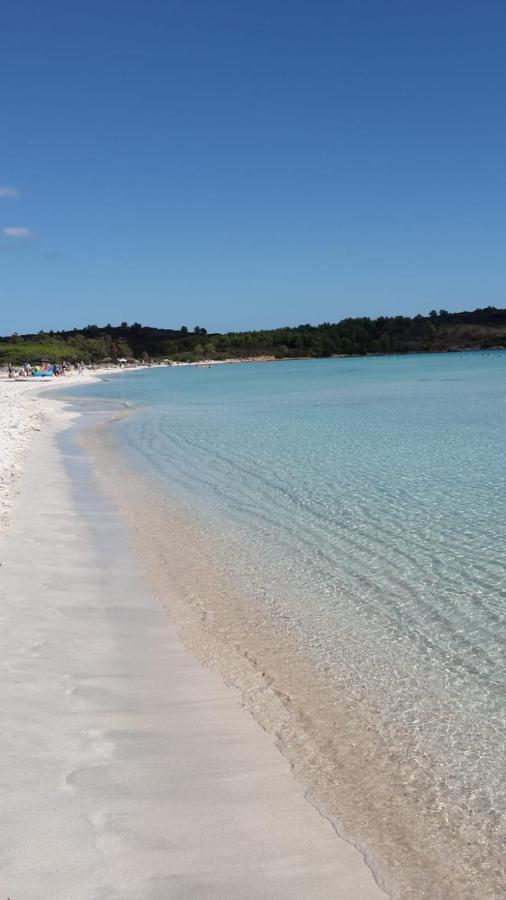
{"x": 20, "y": 415}
{"x": 22, "y": 412}
{"x": 128, "y": 770}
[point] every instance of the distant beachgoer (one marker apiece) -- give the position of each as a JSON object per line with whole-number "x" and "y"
{"x": 11, "y": 371}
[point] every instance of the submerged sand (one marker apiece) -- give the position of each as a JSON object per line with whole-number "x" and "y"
{"x": 377, "y": 793}
{"x": 128, "y": 770}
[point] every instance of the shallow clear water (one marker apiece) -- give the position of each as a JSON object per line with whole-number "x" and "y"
{"x": 365, "y": 500}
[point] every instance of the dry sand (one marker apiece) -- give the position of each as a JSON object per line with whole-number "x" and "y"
{"x": 127, "y": 769}
{"x": 22, "y": 412}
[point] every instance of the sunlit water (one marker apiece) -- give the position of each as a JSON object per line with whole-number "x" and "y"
{"x": 366, "y": 500}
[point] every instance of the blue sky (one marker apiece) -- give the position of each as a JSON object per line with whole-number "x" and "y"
{"x": 242, "y": 163}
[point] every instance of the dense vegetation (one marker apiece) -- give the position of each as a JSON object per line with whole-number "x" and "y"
{"x": 439, "y": 331}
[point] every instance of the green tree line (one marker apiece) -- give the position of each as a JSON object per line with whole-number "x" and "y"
{"x": 438, "y": 331}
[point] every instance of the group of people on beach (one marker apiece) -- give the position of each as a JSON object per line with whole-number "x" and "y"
{"x": 44, "y": 369}
{"x": 24, "y": 372}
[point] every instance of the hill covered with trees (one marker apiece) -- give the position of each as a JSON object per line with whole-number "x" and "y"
{"x": 439, "y": 331}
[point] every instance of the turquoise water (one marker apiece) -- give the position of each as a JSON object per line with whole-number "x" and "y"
{"x": 365, "y": 501}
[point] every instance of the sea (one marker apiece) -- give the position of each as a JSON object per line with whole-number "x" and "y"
{"x": 357, "y": 507}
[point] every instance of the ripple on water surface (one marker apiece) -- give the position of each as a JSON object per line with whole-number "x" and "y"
{"x": 363, "y": 501}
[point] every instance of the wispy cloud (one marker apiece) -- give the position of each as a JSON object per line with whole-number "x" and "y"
{"x": 7, "y": 191}
{"x": 17, "y": 231}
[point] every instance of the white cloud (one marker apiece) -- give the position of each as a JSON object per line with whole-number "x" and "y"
{"x": 6, "y": 191}
{"x": 17, "y": 232}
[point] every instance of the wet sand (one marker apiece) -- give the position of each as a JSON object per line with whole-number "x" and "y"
{"x": 128, "y": 770}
